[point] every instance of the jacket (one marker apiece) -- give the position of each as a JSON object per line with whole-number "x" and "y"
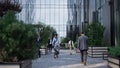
{"x": 83, "y": 42}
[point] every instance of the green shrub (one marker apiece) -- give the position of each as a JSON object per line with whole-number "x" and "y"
{"x": 17, "y": 39}
{"x": 114, "y": 51}
{"x": 95, "y": 33}
{"x": 76, "y": 44}
{"x": 65, "y": 40}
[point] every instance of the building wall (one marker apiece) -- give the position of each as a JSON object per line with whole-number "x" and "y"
{"x": 117, "y": 22}
{"x": 84, "y": 14}
{"x": 70, "y": 16}
{"x": 91, "y": 9}
{"x": 79, "y": 23}
{"x": 105, "y": 20}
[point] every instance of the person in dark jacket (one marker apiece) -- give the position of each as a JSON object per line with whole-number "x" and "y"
{"x": 83, "y": 47}
{"x": 50, "y": 45}
{"x": 38, "y": 45}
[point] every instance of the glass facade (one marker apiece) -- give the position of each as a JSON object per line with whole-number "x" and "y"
{"x": 75, "y": 18}
{"x": 54, "y": 13}
{"x": 28, "y": 11}
{"x": 50, "y": 12}
{"x": 117, "y": 22}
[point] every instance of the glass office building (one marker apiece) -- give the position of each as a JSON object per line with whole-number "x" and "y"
{"x": 75, "y": 18}
{"x": 28, "y": 11}
{"x": 81, "y": 12}
{"x": 53, "y": 13}
{"x": 108, "y": 14}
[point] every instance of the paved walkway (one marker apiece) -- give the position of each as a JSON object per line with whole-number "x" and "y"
{"x": 66, "y": 60}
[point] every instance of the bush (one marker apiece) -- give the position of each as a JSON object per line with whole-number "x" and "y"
{"x": 76, "y": 44}
{"x": 95, "y": 33}
{"x": 17, "y": 39}
{"x": 65, "y": 40}
{"x": 114, "y": 51}
{"x": 47, "y": 33}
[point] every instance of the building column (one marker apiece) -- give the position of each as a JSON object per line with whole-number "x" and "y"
{"x": 86, "y": 15}
{"x": 112, "y": 22}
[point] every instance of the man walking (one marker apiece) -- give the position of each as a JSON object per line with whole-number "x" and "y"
{"x": 83, "y": 47}
{"x": 38, "y": 44}
{"x": 50, "y": 45}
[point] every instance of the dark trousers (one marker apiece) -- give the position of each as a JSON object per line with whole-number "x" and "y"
{"x": 83, "y": 55}
{"x": 50, "y": 47}
{"x": 39, "y": 52}
{"x": 56, "y": 53}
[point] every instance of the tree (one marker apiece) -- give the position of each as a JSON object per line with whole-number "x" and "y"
{"x": 45, "y": 33}
{"x": 7, "y": 5}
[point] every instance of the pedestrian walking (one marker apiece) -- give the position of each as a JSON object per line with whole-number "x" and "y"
{"x": 50, "y": 45}
{"x": 83, "y": 47}
{"x": 56, "y": 45}
{"x": 71, "y": 46}
{"x": 38, "y": 45}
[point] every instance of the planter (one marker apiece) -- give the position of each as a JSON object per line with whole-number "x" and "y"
{"x": 43, "y": 51}
{"x": 113, "y": 62}
{"x": 23, "y": 64}
{"x": 97, "y": 52}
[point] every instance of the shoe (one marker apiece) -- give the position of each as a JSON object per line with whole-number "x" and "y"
{"x": 84, "y": 63}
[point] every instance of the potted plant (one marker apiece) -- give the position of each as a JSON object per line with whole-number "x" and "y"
{"x": 18, "y": 44}
{"x": 95, "y": 33}
{"x": 114, "y": 57}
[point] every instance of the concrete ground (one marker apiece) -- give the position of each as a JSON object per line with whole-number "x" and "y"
{"x": 66, "y": 60}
